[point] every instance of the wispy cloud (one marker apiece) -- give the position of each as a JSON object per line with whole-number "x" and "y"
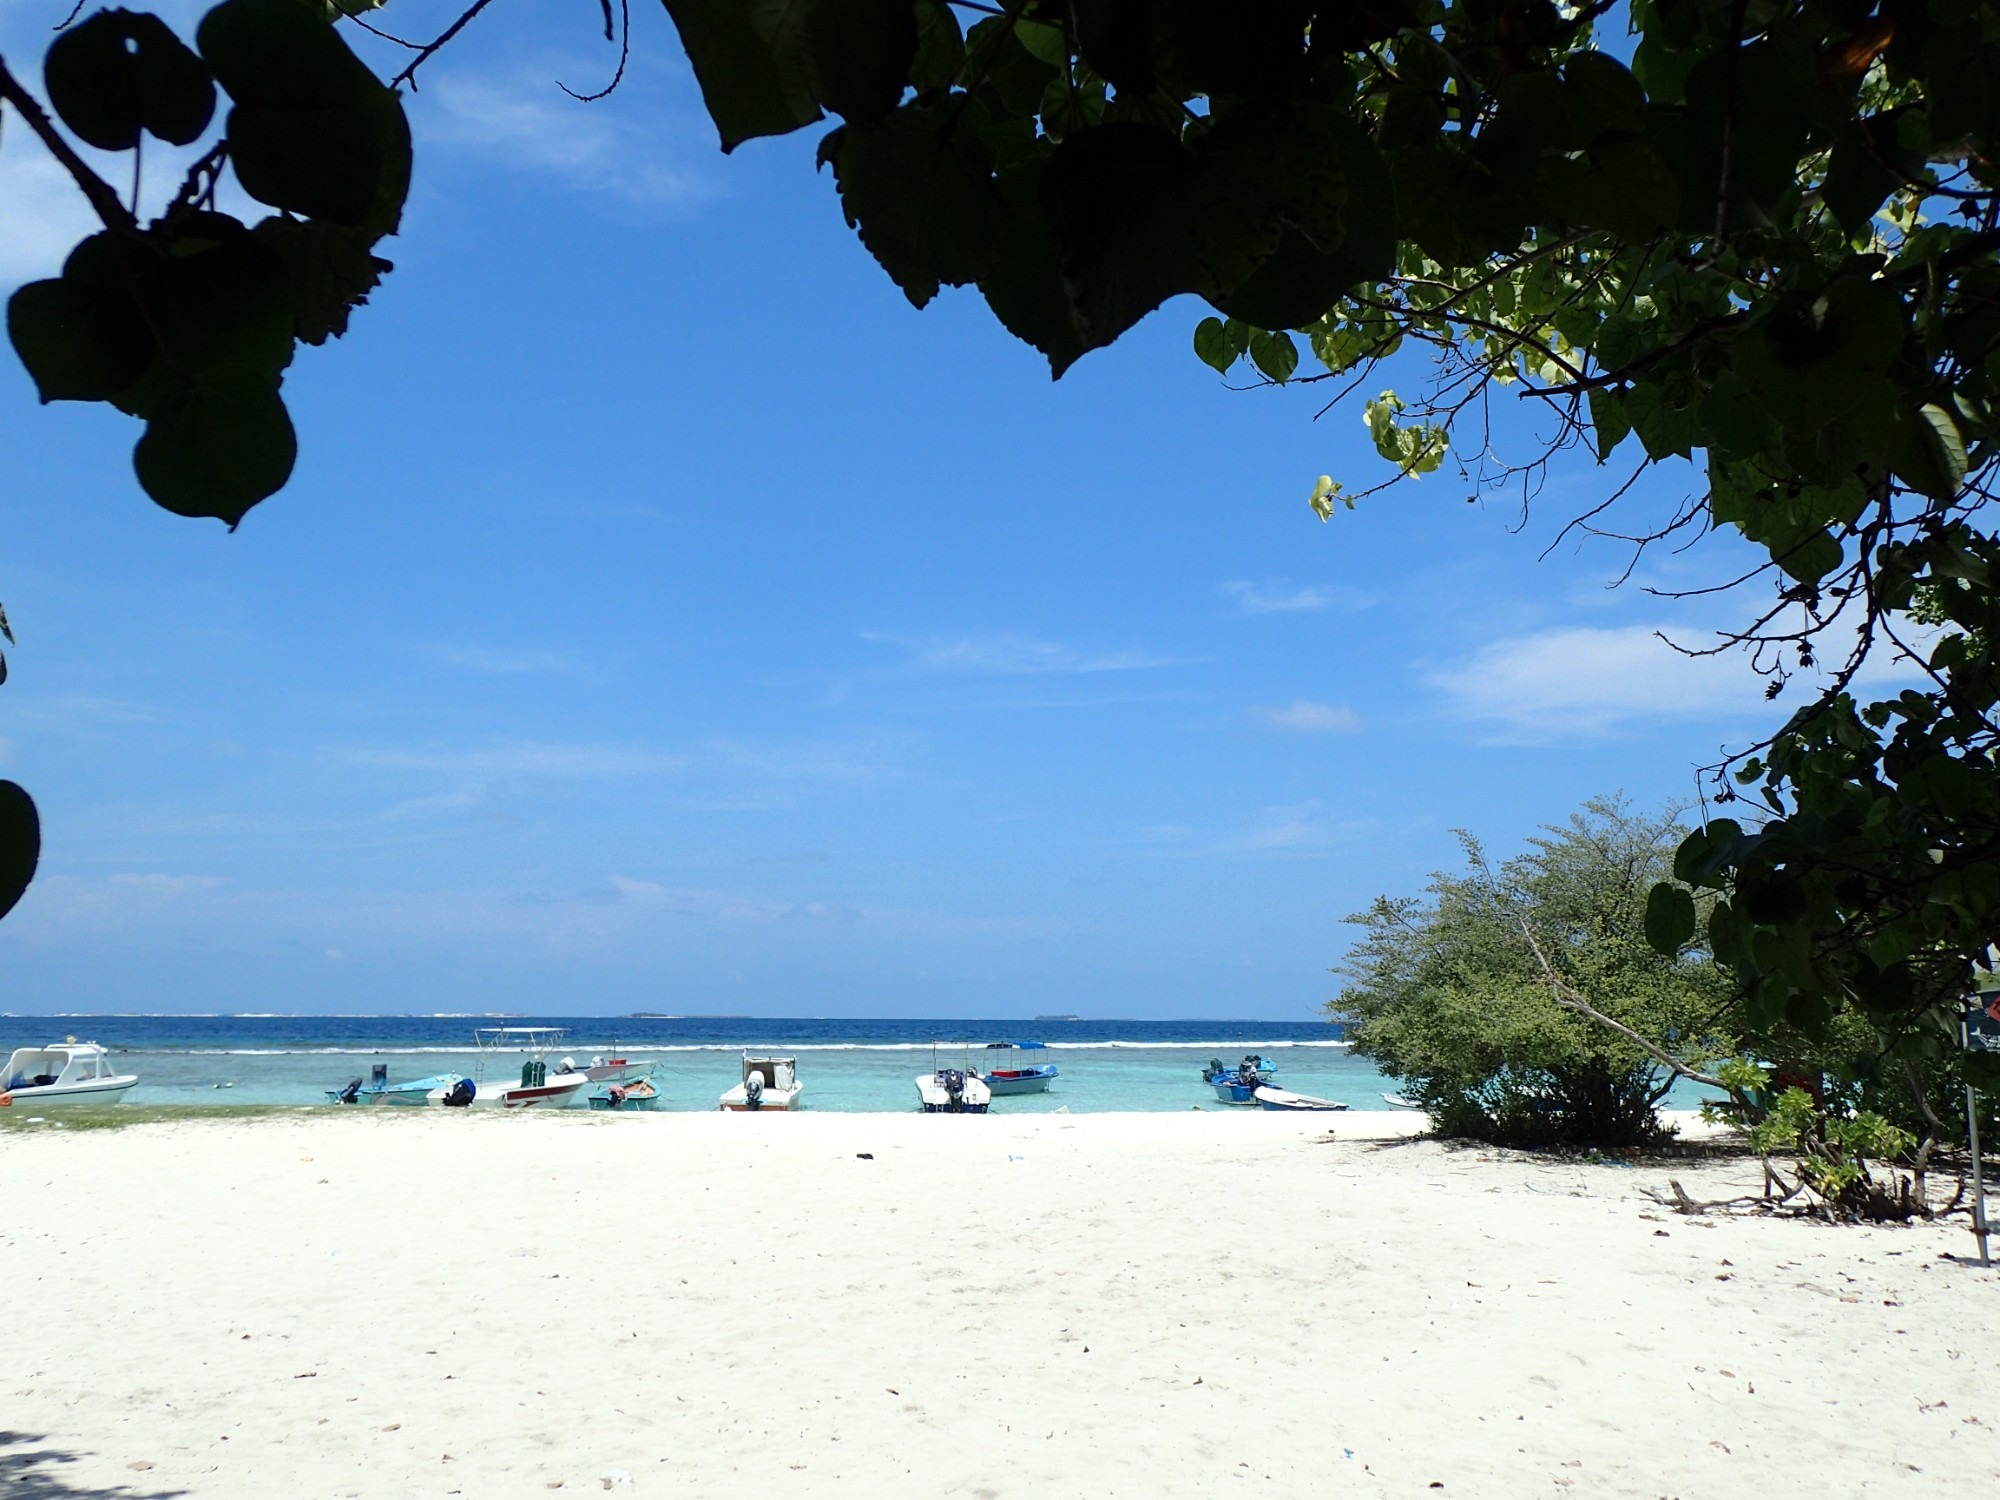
{"x": 1300, "y": 828}
{"x": 1581, "y": 680}
{"x": 524, "y": 121}
{"x": 168, "y": 885}
{"x": 726, "y": 905}
{"x": 1586, "y": 680}
{"x": 46, "y": 215}
{"x": 1004, "y": 655}
{"x": 730, "y": 762}
{"x": 1284, "y": 599}
{"x": 1308, "y": 717}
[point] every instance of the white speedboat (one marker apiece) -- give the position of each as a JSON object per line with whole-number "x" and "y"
{"x": 768, "y": 1083}
{"x": 538, "y": 1086}
{"x": 65, "y": 1072}
{"x": 1270, "y": 1098}
{"x": 953, "y": 1091}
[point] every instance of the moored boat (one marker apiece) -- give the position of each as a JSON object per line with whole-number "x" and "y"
{"x": 1238, "y": 1085}
{"x": 637, "y": 1095}
{"x": 1272, "y": 1098}
{"x": 953, "y": 1091}
{"x": 769, "y": 1083}
{"x": 1397, "y": 1101}
{"x": 62, "y": 1073}
{"x": 451, "y": 1089}
{"x": 1019, "y": 1075}
{"x": 538, "y": 1088}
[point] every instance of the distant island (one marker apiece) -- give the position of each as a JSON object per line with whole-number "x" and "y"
{"x": 1058, "y": 1018}
{"x": 659, "y": 1015}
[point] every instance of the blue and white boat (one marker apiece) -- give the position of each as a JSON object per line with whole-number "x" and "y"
{"x": 453, "y": 1089}
{"x": 1020, "y": 1075}
{"x": 1239, "y": 1085}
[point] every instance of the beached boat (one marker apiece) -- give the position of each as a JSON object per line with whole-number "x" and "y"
{"x": 953, "y": 1091}
{"x": 639, "y": 1094}
{"x": 1270, "y": 1098}
{"x": 450, "y": 1089}
{"x": 65, "y": 1072}
{"x": 1238, "y": 1085}
{"x": 1397, "y": 1101}
{"x": 538, "y": 1088}
{"x": 1019, "y": 1076}
{"x": 768, "y": 1083}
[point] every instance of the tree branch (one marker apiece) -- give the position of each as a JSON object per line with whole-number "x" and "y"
{"x": 103, "y": 197}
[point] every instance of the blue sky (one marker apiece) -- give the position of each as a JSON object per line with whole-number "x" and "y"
{"x": 666, "y": 616}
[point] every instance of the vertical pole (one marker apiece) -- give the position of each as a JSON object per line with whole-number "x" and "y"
{"x": 1978, "y": 1176}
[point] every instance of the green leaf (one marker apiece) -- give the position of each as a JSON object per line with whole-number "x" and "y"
{"x": 862, "y": 51}
{"x": 20, "y": 844}
{"x": 1275, "y": 354}
{"x": 78, "y": 343}
{"x": 330, "y": 270}
{"x": 120, "y": 73}
{"x": 1211, "y": 346}
{"x": 1024, "y": 286}
{"x": 753, "y": 63}
{"x": 1608, "y": 420}
{"x": 1301, "y": 279}
{"x": 1811, "y": 359}
{"x": 940, "y": 47}
{"x": 313, "y": 131}
{"x": 920, "y": 190}
{"x": 1930, "y": 452}
{"x": 1670, "y": 918}
{"x": 1812, "y": 558}
{"x": 225, "y": 444}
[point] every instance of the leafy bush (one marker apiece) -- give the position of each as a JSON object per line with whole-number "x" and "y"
{"x": 1444, "y": 991}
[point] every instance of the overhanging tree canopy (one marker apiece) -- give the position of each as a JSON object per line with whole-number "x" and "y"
{"x": 1752, "y": 233}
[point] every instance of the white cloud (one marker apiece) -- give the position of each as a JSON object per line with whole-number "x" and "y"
{"x": 526, "y": 121}
{"x": 1576, "y": 680}
{"x": 1282, "y": 599}
{"x": 1308, "y": 717}
{"x": 1016, "y": 656}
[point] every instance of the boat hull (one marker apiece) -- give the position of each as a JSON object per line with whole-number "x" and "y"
{"x": 555, "y": 1094}
{"x": 60, "y": 1095}
{"x": 1229, "y": 1091}
{"x": 1021, "y": 1081}
{"x": 972, "y": 1098}
{"x": 1285, "y": 1099}
{"x": 772, "y": 1101}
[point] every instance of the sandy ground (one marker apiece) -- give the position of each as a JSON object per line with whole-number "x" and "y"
{"x": 433, "y": 1304}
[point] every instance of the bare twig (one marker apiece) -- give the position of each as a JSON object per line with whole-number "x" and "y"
{"x": 429, "y": 49}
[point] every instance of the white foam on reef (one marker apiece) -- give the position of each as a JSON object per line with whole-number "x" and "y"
{"x": 575, "y": 1044}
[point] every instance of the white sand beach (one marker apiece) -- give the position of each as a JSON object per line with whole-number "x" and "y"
{"x": 433, "y": 1304}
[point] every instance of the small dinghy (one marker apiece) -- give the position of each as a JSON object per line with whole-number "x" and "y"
{"x": 1019, "y": 1076}
{"x": 639, "y": 1095}
{"x": 1270, "y": 1098}
{"x": 1397, "y": 1101}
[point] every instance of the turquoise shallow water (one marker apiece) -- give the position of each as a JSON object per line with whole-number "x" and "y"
{"x": 841, "y": 1078}
{"x": 845, "y": 1064}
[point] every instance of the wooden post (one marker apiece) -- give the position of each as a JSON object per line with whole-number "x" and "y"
{"x": 1978, "y": 1176}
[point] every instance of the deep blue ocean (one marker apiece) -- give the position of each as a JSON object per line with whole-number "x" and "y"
{"x": 845, "y": 1065}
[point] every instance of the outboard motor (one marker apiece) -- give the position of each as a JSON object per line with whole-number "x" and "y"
{"x": 753, "y": 1088}
{"x": 1246, "y": 1073}
{"x": 1215, "y": 1068}
{"x": 349, "y": 1094}
{"x": 460, "y": 1094}
{"x": 952, "y": 1081}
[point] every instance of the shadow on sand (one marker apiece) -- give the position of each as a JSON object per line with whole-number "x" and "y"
{"x": 31, "y": 1471}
